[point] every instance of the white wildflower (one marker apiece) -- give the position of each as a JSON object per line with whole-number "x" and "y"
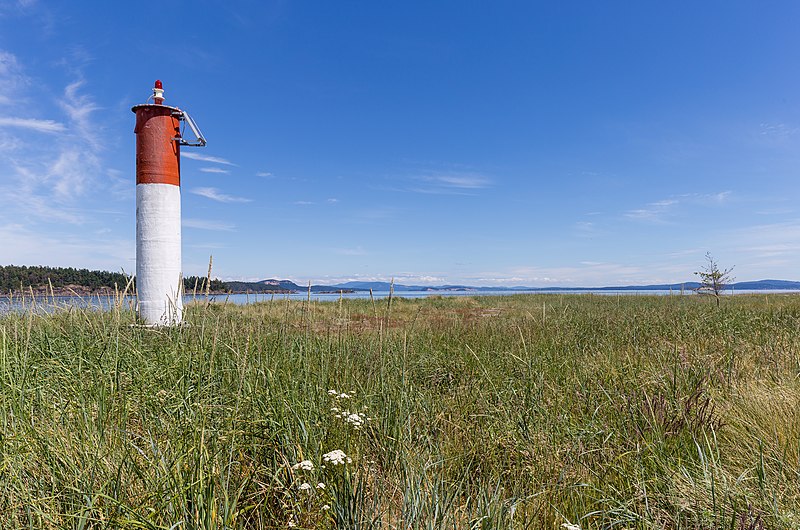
{"x": 321, "y": 486}
{"x": 355, "y": 419}
{"x": 305, "y": 465}
{"x": 570, "y": 526}
{"x": 326, "y": 507}
{"x": 337, "y": 457}
{"x": 305, "y": 486}
{"x": 344, "y": 396}
{"x": 333, "y": 392}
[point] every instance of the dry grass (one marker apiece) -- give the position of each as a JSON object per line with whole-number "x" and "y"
{"x": 486, "y": 412}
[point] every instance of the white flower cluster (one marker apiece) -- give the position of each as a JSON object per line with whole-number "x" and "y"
{"x": 305, "y": 486}
{"x": 305, "y": 465}
{"x": 356, "y": 419}
{"x": 337, "y": 457}
{"x": 344, "y": 395}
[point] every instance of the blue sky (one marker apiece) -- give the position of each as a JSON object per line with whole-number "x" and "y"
{"x": 503, "y": 143}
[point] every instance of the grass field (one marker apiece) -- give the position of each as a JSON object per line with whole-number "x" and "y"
{"x": 540, "y": 412}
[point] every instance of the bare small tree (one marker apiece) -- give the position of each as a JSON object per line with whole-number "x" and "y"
{"x": 713, "y": 280}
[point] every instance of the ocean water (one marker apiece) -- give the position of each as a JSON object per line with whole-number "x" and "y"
{"x": 50, "y": 304}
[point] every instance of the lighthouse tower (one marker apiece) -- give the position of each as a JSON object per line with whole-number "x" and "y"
{"x": 159, "y": 280}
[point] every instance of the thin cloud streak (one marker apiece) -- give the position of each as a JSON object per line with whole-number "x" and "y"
{"x": 11, "y": 78}
{"x": 462, "y": 181}
{"x": 79, "y": 108}
{"x": 203, "y": 224}
{"x": 213, "y": 170}
{"x": 653, "y": 212}
{"x": 45, "y": 126}
{"x": 658, "y": 212}
{"x": 215, "y": 195}
{"x": 357, "y": 251}
{"x": 206, "y": 158}
{"x": 446, "y": 183}
{"x": 451, "y": 182}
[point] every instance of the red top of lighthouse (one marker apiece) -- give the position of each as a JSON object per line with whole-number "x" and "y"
{"x": 158, "y": 92}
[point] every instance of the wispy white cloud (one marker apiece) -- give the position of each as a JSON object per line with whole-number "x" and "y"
{"x": 205, "y": 224}
{"x": 68, "y": 173}
{"x": 654, "y": 212}
{"x": 403, "y": 278}
{"x": 448, "y": 183}
{"x": 212, "y": 246}
{"x": 79, "y": 107}
{"x": 206, "y": 158}
{"x": 21, "y": 245}
{"x": 707, "y": 198}
{"x": 768, "y": 240}
{"x": 456, "y": 180}
{"x": 61, "y": 180}
{"x": 29, "y": 204}
{"x": 303, "y": 203}
{"x": 586, "y": 228}
{"x": 585, "y": 274}
{"x": 213, "y": 170}
{"x": 12, "y": 80}
{"x": 462, "y": 181}
{"x": 47, "y": 178}
{"x": 660, "y": 212}
{"x": 9, "y": 143}
{"x": 332, "y": 200}
{"x": 779, "y": 131}
{"x": 45, "y": 126}
{"x": 265, "y": 174}
{"x": 215, "y": 195}
{"x": 357, "y": 251}
{"x": 375, "y": 214}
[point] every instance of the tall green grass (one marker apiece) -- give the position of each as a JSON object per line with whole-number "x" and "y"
{"x": 482, "y": 413}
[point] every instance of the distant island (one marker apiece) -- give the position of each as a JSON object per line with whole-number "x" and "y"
{"x": 287, "y": 286}
{"x": 42, "y": 280}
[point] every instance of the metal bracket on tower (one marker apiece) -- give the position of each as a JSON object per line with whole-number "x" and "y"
{"x": 200, "y": 139}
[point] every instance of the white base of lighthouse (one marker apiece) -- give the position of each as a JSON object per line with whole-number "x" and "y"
{"x": 159, "y": 281}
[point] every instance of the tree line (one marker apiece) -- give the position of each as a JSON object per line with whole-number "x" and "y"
{"x": 192, "y": 283}
{"x": 22, "y": 277}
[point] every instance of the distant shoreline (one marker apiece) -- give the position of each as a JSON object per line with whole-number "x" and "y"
{"x": 81, "y": 291}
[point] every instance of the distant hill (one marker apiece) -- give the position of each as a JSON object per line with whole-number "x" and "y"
{"x": 284, "y": 286}
{"x": 280, "y": 286}
{"x": 40, "y": 279}
{"x": 767, "y": 284}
